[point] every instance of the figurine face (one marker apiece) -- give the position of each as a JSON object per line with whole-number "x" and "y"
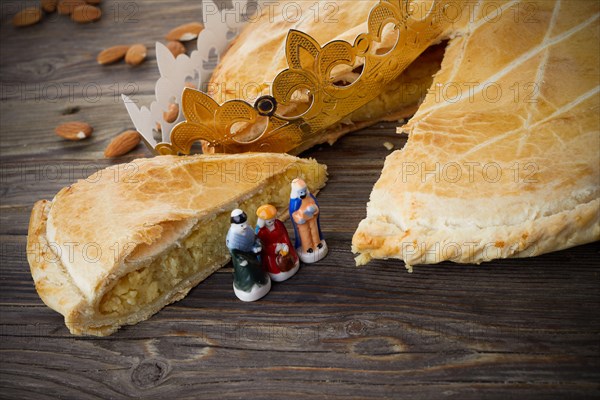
{"x": 270, "y": 223}
{"x": 243, "y": 227}
{"x": 302, "y": 193}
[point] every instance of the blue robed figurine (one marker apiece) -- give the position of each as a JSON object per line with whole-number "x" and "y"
{"x": 304, "y": 213}
{"x": 250, "y": 280}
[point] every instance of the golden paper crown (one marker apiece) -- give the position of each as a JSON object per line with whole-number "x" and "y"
{"x": 310, "y": 67}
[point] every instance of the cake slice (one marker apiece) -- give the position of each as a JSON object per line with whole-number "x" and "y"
{"x": 502, "y": 158}
{"x": 115, "y": 248}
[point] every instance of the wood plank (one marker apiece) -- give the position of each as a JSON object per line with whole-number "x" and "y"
{"x": 525, "y": 328}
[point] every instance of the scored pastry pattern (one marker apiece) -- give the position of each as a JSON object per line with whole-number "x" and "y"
{"x": 518, "y": 147}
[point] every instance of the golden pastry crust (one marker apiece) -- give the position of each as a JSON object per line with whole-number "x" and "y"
{"x": 58, "y": 291}
{"x": 508, "y": 169}
{"x": 257, "y": 54}
{"x": 244, "y": 74}
{"x": 125, "y": 218}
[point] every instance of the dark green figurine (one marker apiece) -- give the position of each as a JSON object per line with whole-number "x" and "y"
{"x": 250, "y": 280}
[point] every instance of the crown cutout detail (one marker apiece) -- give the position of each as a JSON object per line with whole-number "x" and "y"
{"x": 309, "y": 71}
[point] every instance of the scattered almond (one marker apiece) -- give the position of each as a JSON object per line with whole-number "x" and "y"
{"x": 185, "y": 32}
{"x": 172, "y": 113}
{"x": 74, "y": 130}
{"x": 136, "y": 54}
{"x": 122, "y": 144}
{"x": 86, "y": 13}
{"x": 49, "y": 5}
{"x": 27, "y": 16}
{"x": 66, "y": 7}
{"x": 112, "y": 54}
{"x": 176, "y": 48}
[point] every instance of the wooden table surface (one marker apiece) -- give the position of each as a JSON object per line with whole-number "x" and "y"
{"x": 526, "y": 328}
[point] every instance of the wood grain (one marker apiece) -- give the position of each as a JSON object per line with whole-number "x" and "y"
{"x": 525, "y": 328}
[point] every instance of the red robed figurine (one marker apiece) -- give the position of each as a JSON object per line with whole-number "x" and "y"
{"x": 278, "y": 255}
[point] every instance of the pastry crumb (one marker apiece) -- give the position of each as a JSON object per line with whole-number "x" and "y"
{"x": 388, "y": 145}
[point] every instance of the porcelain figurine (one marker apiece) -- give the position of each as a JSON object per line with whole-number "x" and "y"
{"x": 278, "y": 255}
{"x": 250, "y": 280}
{"x": 304, "y": 212}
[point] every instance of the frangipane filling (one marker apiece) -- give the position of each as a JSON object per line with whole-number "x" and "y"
{"x": 201, "y": 251}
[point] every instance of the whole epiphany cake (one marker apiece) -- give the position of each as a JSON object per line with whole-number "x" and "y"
{"x": 502, "y": 158}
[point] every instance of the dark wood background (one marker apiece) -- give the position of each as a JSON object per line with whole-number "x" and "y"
{"x": 525, "y": 328}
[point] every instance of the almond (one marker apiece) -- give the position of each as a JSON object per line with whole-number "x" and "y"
{"x": 86, "y": 13}
{"x": 27, "y": 16}
{"x": 172, "y": 113}
{"x": 74, "y": 130}
{"x": 136, "y": 54}
{"x": 49, "y": 5}
{"x": 176, "y": 48}
{"x": 122, "y": 144}
{"x": 185, "y": 32}
{"x": 66, "y": 7}
{"x": 112, "y": 54}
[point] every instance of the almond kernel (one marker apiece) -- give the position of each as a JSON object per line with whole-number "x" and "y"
{"x": 185, "y": 32}
{"x": 49, "y": 5}
{"x": 136, "y": 54}
{"x": 27, "y": 16}
{"x": 176, "y": 48}
{"x": 172, "y": 113}
{"x": 122, "y": 144}
{"x": 86, "y": 13}
{"x": 112, "y": 54}
{"x": 74, "y": 130}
